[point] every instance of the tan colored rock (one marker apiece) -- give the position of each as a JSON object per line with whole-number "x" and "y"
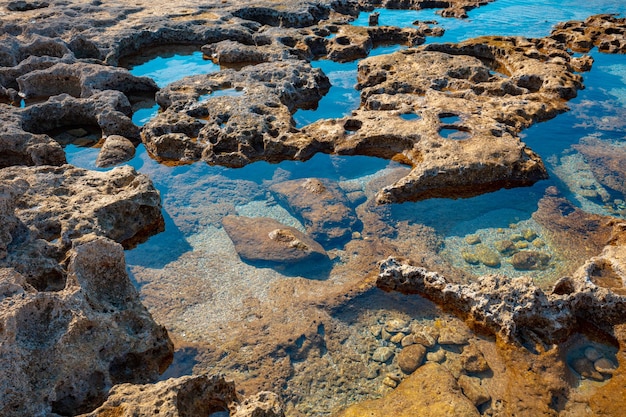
{"x": 116, "y": 150}
{"x": 53, "y": 206}
{"x": 473, "y": 390}
{"x": 62, "y": 350}
{"x": 323, "y": 207}
{"x": 265, "y": 239}
{"x": 472, "y": 360}
{"x": 198, "y": 395}
{"x": 431, "y": 391}
{"x": 411, "y": 357}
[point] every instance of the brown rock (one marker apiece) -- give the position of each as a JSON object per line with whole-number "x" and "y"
{"x": 430, "y": 391}
{"x": 473, "y": 360}
{"x": 322, "y": 206}
{"x": 529, "y": 260}
{"x": 265, "y": 239}
{"x": 474, "y": 390}
{"x": 97, "y": 320}
{"x": 116, "y": 150}
{"x": 411, "y": 357}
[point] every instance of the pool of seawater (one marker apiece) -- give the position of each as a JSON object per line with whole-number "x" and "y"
{"x": 194, "y": 283}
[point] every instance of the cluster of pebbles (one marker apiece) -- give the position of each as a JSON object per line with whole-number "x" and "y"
{"x": 591, "y": 362}
{"x": 406, "y": 345}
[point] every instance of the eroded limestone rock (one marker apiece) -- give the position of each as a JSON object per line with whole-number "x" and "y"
{"x": 115, "y": 150}
{"x": 62, "y": 350}
{"x": 52, "y": 206}
{"x": 607, "y": 32}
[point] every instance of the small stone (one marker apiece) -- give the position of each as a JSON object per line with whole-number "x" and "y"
{"x": 487, "y": 256}
{"x": 530, "y": 260}
{"x": 449, "y": 336}
{"x": 382, "y": 354}
{"x": 513, "y": 226}
{"x": 521, "y": 245}
{"x": 423, "y": 338}
{"x": 356, "y": 236}
{"x": 473, "y": 390}
{"x": 396, "y": 376}
{"x": 505, "y": 247}
{"x": 470, "y": 257}
{"x": 384, "y": 334}
{"x": 396, "y": 326}
{"x": 538, "y": 243}
{"x": 584, "y": 367}
{"x": 604, "y": 366}
{"x": 390, "y": 382}
{"x": 397, "y": 338}
{"x": 472, "y": 239}
{"x": 372, "y": 372}
{"x": 529, "y": 234}
{"x": 115, "y": 150}
{"x": 375, "y": 330}
{"x": 592, "y": 354}
{"x": 438, "y": 356}
{"x": 407, "y": 341}
{"x": 410, "y": 358}
{"x": 516, "y": 237}
{"x": 473, "y": 360}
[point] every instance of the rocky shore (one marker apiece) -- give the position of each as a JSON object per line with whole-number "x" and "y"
{"x": 77, "y": 337}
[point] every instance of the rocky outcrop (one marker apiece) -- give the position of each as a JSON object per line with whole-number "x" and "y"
{"x": 514, "y": 308}
{"x": 49, "y": 207}
{"x": 606, "y": 161}
{"x": 199, "y": 395}
{"x": 322, "y": 206}
{"x": 607, "y": 32}
{"x": 265, "y": 239}
{"x": 233, "y": 130}
{"x": 62, "y": 350}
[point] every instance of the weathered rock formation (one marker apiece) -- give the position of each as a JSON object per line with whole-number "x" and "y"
{"x": 48, "y": 207}
{"x": 607, "y": 32}
{"x": 186, "y": 396}
{"x": 514, "y": 308}
{"x": 265, "y": 239}
{"x": 115, "y": 150}
{"x": 62, "y": 350}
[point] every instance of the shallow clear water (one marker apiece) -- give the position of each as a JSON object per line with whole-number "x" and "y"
{"x": 194, "y": 283}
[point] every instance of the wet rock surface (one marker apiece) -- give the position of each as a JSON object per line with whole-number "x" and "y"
{"x": 264, "y": 239}
{"x": 323, "y": 207}
{"x": 97, "y": 316}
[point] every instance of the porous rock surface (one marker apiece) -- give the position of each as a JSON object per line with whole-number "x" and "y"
{"x": 48, "y": 207}
{"x": 265, "y": 239}
{"x": 199, "y": 395}
{"x": 515, "y": 309}
{"x": 62, "y": 350}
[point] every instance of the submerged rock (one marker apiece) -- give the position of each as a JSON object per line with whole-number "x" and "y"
{"x": 528, "y": 260}
{"x": 411, "y": 357}
{"x": 62, "y": 350}
{"x": 323, "y": 207}
{"x": 429, "y": 391}
{"x": 265, "y": 239}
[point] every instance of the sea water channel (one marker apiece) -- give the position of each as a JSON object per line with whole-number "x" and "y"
{"x": 195, "y": 284}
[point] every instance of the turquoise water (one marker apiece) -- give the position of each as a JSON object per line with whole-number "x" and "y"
{"x": 167, "y": 69}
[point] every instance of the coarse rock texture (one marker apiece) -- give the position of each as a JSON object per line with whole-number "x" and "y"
{"x": 115, "y": 150}
{"x": 607, "y": 32}
{"x": 607, "y": 162}
{"x": 186, "y": 396}
{"x": 323, "y": 207}
{"x": 265, "y": 239}
{"x": 49, "y": 207}
{"x": 62, "y": 350}
{"x": 234, "y": 131}
{"x": 515, "y": 309}
{"x": 444, "y": 397}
